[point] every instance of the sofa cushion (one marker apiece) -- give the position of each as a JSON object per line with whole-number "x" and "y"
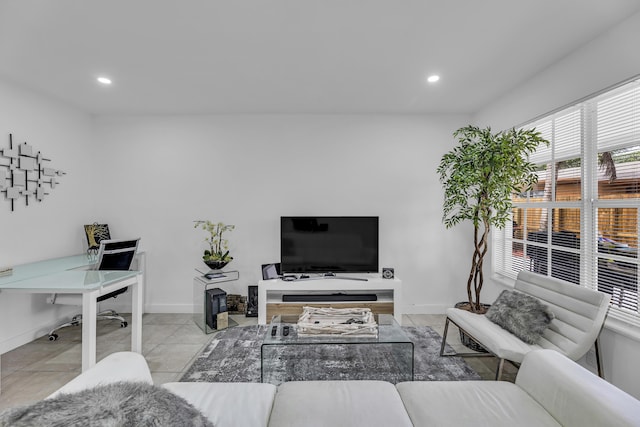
{"x": 338, "y": 403}
{"x": 115, "y": 404}
{"x": 229, "y": 404}
{"x": 572, "y": 394}
{"x": 497, "y": 340}
{"x": 116, "y": 367}
{"x": 471, "y": 403}
{"x": 521, "y": 314}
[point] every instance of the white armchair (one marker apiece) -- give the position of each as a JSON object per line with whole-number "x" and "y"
{"x": 579, "y": 316}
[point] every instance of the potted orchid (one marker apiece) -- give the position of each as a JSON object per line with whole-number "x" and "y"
{"x": 217, "y": 256}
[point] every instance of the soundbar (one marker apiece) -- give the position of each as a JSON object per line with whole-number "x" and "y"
{"x": 328, "y": 297}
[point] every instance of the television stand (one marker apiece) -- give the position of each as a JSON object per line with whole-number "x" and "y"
{"x": 358, "y": 292}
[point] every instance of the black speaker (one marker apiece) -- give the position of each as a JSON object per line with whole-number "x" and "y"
{"x": 215, "y": 304}
{"x": 252, "y": 302}
{"x": 387, "y": 273}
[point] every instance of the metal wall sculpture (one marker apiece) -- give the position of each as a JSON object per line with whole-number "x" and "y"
{"x": 23, "y": 174}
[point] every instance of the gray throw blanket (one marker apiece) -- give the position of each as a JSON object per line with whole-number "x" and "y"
{"x": 119, "y": 404}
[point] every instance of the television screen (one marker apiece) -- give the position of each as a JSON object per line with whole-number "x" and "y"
{"x": 322, "y": 244}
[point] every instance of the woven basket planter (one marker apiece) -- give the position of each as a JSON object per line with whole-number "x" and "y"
{"x": 465, "y": 339}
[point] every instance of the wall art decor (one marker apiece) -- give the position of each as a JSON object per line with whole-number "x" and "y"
{"x": 25, "y": 173}
{"x": 95, "y": 234}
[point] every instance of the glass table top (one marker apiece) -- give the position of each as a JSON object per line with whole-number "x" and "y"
{"x": 286, "y": 358}
{"x": 388, "y": 332}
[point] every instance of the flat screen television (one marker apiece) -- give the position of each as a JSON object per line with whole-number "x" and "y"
{"x": 323, "y": 244}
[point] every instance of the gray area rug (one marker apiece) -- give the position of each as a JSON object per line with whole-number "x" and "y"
{"x": 233, "y": 355}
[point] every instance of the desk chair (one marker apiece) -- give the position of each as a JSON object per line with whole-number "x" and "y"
{"x": 112, "y": 255}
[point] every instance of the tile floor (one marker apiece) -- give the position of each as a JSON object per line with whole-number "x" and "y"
{"x": 170, "y": 344}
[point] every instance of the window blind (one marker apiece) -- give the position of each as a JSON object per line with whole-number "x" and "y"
{"x": 580, "y": 222}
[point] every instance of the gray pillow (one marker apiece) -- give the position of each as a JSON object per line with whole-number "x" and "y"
{"x": 118, "y": 404}
{"x": 521, "y": 314}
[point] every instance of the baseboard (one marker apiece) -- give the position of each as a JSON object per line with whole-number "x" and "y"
{"x": 426, "y": 308}
{"x": 26, "y": 337}
{"x": 150, "y": 308}
{"x": 168, "y": 308}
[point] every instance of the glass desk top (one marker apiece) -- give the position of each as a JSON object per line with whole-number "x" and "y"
{"x": 69, "y": 281}
{"x": 73, "y": 274}
{"x": 69, "y": 274}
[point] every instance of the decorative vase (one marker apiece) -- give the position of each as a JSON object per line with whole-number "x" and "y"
{"x": 216, "y": 264}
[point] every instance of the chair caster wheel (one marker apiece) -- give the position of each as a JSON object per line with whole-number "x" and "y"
{"x": 53, "y": 337}
{"x": 123, "y": 324}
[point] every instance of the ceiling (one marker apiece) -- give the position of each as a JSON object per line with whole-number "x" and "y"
{"x": 290, "y": 56}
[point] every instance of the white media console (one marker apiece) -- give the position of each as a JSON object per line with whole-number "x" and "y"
{"x": 388, "y": 294}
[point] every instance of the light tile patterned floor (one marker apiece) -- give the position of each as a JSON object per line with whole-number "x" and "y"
{"x": 170, "y": 343}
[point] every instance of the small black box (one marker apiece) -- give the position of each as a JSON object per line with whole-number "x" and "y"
{"x": 252, "y": 302}
{"x": 216, "y": 302}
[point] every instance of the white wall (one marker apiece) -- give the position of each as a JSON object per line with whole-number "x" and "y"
{"x": 52, "y": 227}
{"x": 161, "y": 173}
{"x": 611, "y": 58}
{"x": 152, "y": 176}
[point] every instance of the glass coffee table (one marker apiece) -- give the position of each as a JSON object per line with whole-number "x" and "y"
{"x": 293, "y": 357}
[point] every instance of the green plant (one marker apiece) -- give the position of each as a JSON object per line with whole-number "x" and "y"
{"x": 218, "y": 247}
{"x": 479, "y": 177}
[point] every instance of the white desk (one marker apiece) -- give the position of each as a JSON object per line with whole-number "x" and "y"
{"x": 70, "y": 275}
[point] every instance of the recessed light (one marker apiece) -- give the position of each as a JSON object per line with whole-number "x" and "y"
{"x": 433, "y": 78}
{"x": 104, "y": 80}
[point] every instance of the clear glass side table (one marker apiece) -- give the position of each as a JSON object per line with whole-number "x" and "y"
{"x": 295, "y": 357}
{"x": 200, "y": 286}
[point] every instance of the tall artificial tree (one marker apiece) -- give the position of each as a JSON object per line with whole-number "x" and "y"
{"x": 479, "y": 177}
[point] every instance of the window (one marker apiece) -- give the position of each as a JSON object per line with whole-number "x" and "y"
{"x": 580, "y": 223}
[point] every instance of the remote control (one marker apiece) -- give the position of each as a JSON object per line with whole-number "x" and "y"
{"x": 273, "y": 331}
{"x": 285, "y": 331}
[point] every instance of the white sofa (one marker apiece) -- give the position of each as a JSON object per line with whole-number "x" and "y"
{"x": 550, "y": 390}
